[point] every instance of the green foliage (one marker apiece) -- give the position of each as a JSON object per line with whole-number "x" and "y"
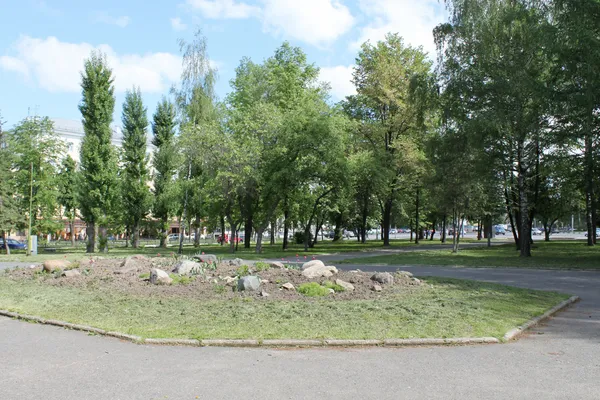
{"x": 330, "y": 285}
{"x": 242, "y": 271}
{"x": 98, "y": 185}
{"x": 260, "y": 266}
{"x": 300, "y": 237}
{"x": 181, "y": 279}
{"x": 135, "y": 193}
{"x": 313, "y": 289}
{"x": 219, "y": 289}
{"x": 8, "y": 208}
{"x": 67, "y": 186}
{"x": 144, "y": 275}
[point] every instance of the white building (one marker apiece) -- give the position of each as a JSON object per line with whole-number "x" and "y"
{"x": 72, "y": 133}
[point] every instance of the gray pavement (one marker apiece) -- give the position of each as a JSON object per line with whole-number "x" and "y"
{"x": 560, "y": 360}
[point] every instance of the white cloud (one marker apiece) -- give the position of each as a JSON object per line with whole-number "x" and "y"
{"x": 317, "y": 22}
{"x": 340, "y": 79}
{"x": 413, "y": 20}
{"x": 121, "y": 21}
{"x": 228, "y": 9}
{"x": 178, "y": 25}
{"x": 55, "y": 65}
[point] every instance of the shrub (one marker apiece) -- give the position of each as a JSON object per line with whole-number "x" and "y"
{"x": 313, "y": 289}
{"x": 145, "y": 276}
{"x": 181, "y": 279}
{"x": 242, "y": 271}
{"x": 261, "y": 266}
{"x": 299, "y": 237}
{"x": 336, "y": 288}
{"x": 220, "y": 289}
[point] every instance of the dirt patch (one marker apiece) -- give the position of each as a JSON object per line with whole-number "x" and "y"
{"x": 215, "y": 282}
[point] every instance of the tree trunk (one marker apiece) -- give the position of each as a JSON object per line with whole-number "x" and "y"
{"x": 135, "y": 232}
{"x": 90, "y": 231}
{"x": 419, "y": 234}
{"x": 197, "y": 230}
{"x": 248, "y": 229}
{"x": 479, "y": 229}
{"x": 337, "y": 232}
{"x": 259, "y": 237}
{"x": 412, "y": 230}
{"x": 524, "y": 236}
{"x": 444, "y": 229}
{"x": 164, "y": 233}
{"x": 387, "y": 220}
{"x": 273, "y": 225}
{"x": 5, "y": 240}
{"x": 72, "y": 227}
{"x": 232, "y": 238}
{"x": 286, "y": 223}
{"x": 103, "y": 238}
{"x": 222, "y": 230}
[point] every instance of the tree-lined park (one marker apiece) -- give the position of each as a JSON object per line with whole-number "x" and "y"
{"x": 501, "y": 125}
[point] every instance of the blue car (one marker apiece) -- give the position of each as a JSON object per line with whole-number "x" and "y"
{"x": 13, "y": 244}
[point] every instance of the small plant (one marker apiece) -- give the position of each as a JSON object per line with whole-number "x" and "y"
{"x": 181, "y": 279}
{"x": 220, "y": 289}
{"x": 86, "y": 271}
{"x": 242, "y": 271}
{"x": 260, "y": 266}
{"x": 73, "y": 265}
{"x": 336, "y": 288}
{"x": 145, "y": 275}
{"x": 313, "y": 289}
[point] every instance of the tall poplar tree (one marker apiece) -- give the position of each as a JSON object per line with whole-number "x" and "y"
{"x": 8, "y": 209}
{"x": 164, "y": 163}
{"x": 67, "y": 186}
{"x": 135, "y": 191}
{"x": 98, "y": 160}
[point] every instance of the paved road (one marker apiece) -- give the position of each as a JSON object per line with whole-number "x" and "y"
{"x": 558, "y": 361}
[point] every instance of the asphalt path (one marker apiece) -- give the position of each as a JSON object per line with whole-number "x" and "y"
{"x": 559, "y": 360}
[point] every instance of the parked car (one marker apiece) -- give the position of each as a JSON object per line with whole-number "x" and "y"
{"x": 330, "y": 235}
{"x": 597, "y": 232}
{"x": 13, "y": 244}
{"x": 173, "y": 237}
{"x": 393, "y": 231}
{"x": 227, "y": 239}
{"x": 536, "y": 231}
{"x": 499, "y": 230}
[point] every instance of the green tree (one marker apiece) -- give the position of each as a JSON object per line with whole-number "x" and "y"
{"x": 98, "y": 188}
{"x": 37, "y": 152}
{"x": 67, "y": 197}
{"x": 9, "y": 215}
{"x": 389, "y": 76}
{"x": 164, "y": 162}
{"x": 135, "y": 191}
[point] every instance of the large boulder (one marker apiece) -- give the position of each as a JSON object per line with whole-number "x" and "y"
{"x": 276, "y": 264}
{"x": 71, "y": 273}
{"x": 160, "y": 277}
{"x": 319, "y": 271}
{"x": 236, "y": 262}
{"x": 346, "y": 285}
{"x": 52, "y": 265}
{"x": 383, "y": 277}
{"x": 206, "y": 258}
{"x": 313, "y": 263}
{"x": 131, "y": 265}
{"x": 186, "y": 267}
{"x": 249, "y": 284}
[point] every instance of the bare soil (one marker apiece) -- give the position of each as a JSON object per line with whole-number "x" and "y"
{"x": 215, "y": 283}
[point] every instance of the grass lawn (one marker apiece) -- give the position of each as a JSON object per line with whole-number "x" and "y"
{"x": 325, "y": 247}
{"x": 452, "y": 308}
{"x": 552, "y": 255}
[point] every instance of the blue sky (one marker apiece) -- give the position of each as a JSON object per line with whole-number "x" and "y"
{"x": 43, "y": 42}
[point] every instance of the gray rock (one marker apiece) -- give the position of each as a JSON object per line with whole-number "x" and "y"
{"x": 383, "y": 277}
{"x": 186, "y": 267}
{"x": 313, "y": 263}
{"x": 236, "y": 263}
{"x": 160, "y": 277}
{"x": 51, "y": 265}
{"x": 127, "y": 270}
{"x": 377, "y": 288}
{"x": 331, "y": 291}
{"x": 276, "y": 264}
{"x": 417, "y": 281}
{"x": 346, "y": 285}
{"x": 206, "y": 258}
{"x": 288, "y": 286}
{"x": 319, "y": 271}
{"x": 132, "y": 263}
{"x": 264, "y": 294}
{"x": 249, "y": 283}
{"x": 405, "y": 273}
{"x": 71, "y": 273}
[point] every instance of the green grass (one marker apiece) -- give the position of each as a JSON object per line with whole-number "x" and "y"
{"x": 452, "y": 308}
{"x": 313, "y": 289}
{"x": 546, "y": 255}
{"x": 294, "y": 253}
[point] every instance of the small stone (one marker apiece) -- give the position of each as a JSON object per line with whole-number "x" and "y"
{"x": 236, "y": 263}
{"x": 319, "y": 271}
{"x": 127, "y": 270}
{"x": 187, "y": 267}
{"x": 264, "y": 281}
{"x": 160, "y": 277}
{"x": 276, "y": 264}
{"x": 33, "y": 266}
{"x": 71, "y": 273}
{"x": 331, "y": 291}
{"x": 288, "y": 286}
{"x": 206, "y": 258}
{"x": 377, "y": 288}
{"x": 383, "y": 277}
{"x": 417, "y": 281}
{"x": 51, "y": 265}
{"x": 248, "y": 283}
{"x": 346, "y": 285}
{"x": 405, "y": 273}
{"x": 264, "y": 294}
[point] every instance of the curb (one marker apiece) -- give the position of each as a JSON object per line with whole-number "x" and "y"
{"x": 519, "y": 330}
{"x": 510, "y": 335}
